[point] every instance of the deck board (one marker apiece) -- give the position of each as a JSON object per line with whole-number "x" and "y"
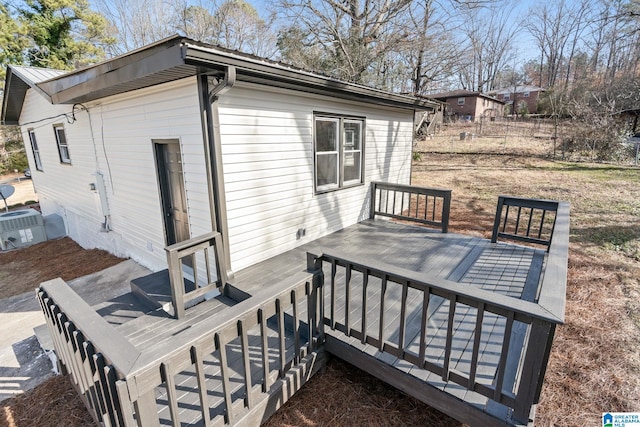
{"x": 511, "y": 270}
{"x": 502, "y": 268}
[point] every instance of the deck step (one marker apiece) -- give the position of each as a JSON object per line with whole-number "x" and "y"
{"x": 154, "y": 290}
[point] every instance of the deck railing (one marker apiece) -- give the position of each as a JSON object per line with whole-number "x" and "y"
{"x": 428, "y": 206}
{"x": 422, "y": 320}
{"x": 89, "y": 349}
{"x": 201, "y": 256}
{"x": 254, "y": 356}
{"x": 525, "y": 220}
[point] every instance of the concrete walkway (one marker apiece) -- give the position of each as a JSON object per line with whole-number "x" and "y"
{"x": 23, "y": 364}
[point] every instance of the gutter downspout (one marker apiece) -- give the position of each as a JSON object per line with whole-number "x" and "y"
{"x": 210, "y": 87}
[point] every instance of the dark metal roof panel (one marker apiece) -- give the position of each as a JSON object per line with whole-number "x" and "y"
{"x": 17, "y": 81}
{"x": 176, "y": 58}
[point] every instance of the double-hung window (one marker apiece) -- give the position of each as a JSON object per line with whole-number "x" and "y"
{"x": 35, "y": 150}
{"x": 338, "y": 147}
{"x": 63, "y": 146}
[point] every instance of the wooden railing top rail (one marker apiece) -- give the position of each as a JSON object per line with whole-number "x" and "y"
{"x": 95, "y": 329}
{"x": 192, "y": 242}
{"x": 440, "y": 192}
{"x": 524, "y": 310}
{"x": 246, "y": 310}
{"x": 433, "y": 209}
{"x": 553, "y": 290}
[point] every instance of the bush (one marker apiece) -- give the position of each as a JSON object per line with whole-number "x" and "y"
{"x": 17, "y": 161}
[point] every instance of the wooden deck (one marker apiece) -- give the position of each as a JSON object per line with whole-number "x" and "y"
{"x": 511, "y": 270}
{"x": 460, "y": 322}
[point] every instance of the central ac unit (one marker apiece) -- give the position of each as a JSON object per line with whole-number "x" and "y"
{"x": 21, "y": 228}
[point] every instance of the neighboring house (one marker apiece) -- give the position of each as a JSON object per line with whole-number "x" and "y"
{"x": 468, "y": 105}
{"x": 121, "y": 149}
{"x": 522, "y": 96}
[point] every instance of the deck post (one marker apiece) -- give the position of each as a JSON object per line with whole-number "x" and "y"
{"x": 314, "y": 265}
{"x": 533, "y": 368}
{"x": 372, "y": 201}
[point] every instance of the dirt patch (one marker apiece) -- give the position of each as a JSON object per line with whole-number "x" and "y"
{"x": 24, "y": 269}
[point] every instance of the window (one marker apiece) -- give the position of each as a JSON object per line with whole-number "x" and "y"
{"x": 61, "y": 141}
{"x": 460, "y": 101}
{"x": 506, "y": 96}
{"x": 526, "y": 94}
{"x": 35, "y": 150}
{"x": 338, "y": 145}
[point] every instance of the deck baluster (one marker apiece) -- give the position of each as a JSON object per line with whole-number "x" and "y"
{"x": 266, "y": 386}
{"x": 197, "y": 360}
{"x": 221, "y": 346}
{"x": 477, "y": 335}
{"x": 453, "y": 300}
{"x": 347, "y": 299}
{"x": 365, "y": 284}
{"x": 296, "y": 327}
{"x": 246, "y": 364}
{"x": 502, "y": 365}
{"x": 426, "y": 296}
{"x": 281, "y": 337}
{"x": 383, "y": 291}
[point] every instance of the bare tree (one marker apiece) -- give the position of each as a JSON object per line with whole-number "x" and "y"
{"x": 233, "y": 24}
{"x": 351, "y": 35}
{"x": 557, "y": 28}
{"x": 432, "y": 53}
{"x": 490, "y": 33}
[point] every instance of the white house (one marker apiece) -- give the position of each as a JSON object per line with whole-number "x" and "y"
{"x": 180, "y": 138}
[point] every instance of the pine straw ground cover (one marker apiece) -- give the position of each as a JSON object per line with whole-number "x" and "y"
{"x": 594, "y": 365}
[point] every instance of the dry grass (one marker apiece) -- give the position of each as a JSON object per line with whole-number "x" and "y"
{"x": 53, "y": 403}
{"x": 22, "y": 270}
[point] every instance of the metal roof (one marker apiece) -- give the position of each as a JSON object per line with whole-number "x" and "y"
{"x": 17, "y": 81}
{"x": 176, "y": 58}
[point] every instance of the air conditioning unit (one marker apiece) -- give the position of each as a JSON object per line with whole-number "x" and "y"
{"x": 21, "y": 228}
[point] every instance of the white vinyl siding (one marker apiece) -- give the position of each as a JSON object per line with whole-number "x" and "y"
{"x": 268, "y": 155}
{"x": 268, "y": 163}
{"x": 128, "y": 122}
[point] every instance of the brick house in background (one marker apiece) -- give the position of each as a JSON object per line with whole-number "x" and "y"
{"x": 467, "y": 105}
{"x": 520, "y": 95}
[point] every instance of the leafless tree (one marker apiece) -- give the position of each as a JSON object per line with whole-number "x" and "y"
{"x": 351, "y": 35}
{"x": 489, "y": 46}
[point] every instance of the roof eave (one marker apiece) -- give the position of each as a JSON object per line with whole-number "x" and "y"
{"x": 178, "y": 57}
{"x": 256, "y": 71}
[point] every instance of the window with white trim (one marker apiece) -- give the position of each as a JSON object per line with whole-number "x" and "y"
{"x": 61, "y": 142}
{"x": 460, "y": 101}
{"x": 507, "y": 96}
{"x": 526, "y": 94}
{"x": 35, "y": 150}
{"x": 338, "y": 147}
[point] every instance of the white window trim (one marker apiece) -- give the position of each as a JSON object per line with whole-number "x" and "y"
{"x": 526, "y": 94}
{"x": 63, "y": 149}
{"x": 341, "y": 152}
{"x": 35, "y": 149}
{"x": 461, "y": 101}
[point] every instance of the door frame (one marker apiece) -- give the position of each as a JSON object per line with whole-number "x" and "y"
{"x": 163, "y": 187}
